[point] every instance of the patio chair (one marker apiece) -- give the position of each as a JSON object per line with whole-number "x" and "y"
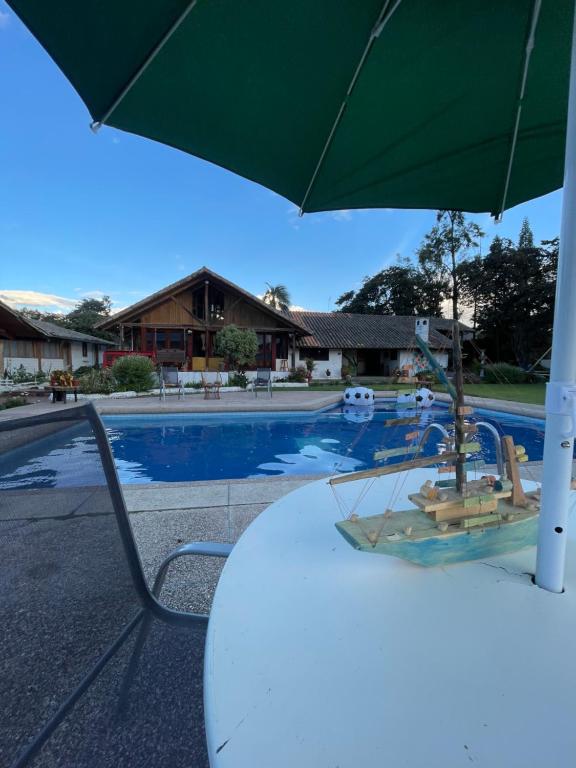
{"x": 169, "y": 379}
{"x": 263, "y": 380}
{"x": 211, "y": 381}
{"x": 95, "y": 670}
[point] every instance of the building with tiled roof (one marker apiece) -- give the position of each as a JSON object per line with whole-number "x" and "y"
{"x": 39, "y": 345}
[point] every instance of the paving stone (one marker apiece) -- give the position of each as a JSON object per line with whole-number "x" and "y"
{"x": 182, "y": 497}
{"x": 241, "y": 517}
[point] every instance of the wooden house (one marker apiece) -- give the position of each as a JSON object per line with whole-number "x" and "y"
{"x": 38, "y": 345}
{"x": 178, "y": 324}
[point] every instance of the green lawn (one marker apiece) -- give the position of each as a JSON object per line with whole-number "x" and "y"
{"x": 522, "y": 393}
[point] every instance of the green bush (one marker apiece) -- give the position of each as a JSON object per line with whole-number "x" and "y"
{"x": 12, "y": 402}
{"x": 238, "y": 347}
{"x": 133, "y": 373}
{"x": 299, "y": 376}
{"x": 504, "y": 373}
{"x": 97, "y": 382}
{"x": 238, "y": 380}
{"x": 193, "y": 385}
{"x": 82, "y": 371}
{"x": 22, "y": 376}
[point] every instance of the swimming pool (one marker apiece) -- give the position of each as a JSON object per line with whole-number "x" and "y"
{"x": 185, "y": 447}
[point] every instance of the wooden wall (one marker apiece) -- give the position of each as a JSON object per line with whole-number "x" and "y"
{"x": 236, "y": 310}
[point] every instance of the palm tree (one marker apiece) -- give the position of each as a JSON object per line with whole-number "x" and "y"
{"x": 277, "y": 296}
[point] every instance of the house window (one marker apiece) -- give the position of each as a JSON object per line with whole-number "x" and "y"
{"x": 84, "y": 349}
{"x": 215, "y": 303}
{"x": 176, "y": 339}
{"x": 51, "y": 349}
{"x": 315, "y": 353}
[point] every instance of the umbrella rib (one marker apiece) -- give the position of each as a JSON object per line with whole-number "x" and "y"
{"x": 383, "y": 18}
{"x": 96, "y": 124}
{"x": 516, "y": 130}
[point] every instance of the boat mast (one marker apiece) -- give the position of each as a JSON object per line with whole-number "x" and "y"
{"x": 459, "y": 426}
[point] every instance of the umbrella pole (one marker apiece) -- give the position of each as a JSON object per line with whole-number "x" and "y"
{"x": 561, "y": 390}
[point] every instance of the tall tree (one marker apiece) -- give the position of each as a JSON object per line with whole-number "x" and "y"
{"x": 401, "y": 289}
{"x": 515, "y": 300}
{"x": 88, "y": 313}
{"x": 525, "y": 238}
{"x": 277, "y": 296}
{"x": 446, "y": 245}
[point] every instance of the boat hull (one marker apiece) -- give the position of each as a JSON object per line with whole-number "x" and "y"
{"x": 444, "y": 548}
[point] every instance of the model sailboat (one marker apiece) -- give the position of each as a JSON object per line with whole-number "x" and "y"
{"x": 456, "y": 519}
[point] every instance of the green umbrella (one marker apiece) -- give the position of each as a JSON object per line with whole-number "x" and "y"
{"x": 333, "y": 103}
{"x": 454, "y": 104}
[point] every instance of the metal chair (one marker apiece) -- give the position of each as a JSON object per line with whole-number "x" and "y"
{"x": 94, "y": 669}
{"x": 211, "y": 381}
{"x": 263, "y": 380}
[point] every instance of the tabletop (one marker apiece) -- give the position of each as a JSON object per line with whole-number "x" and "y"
{"x": 322, "y": 656}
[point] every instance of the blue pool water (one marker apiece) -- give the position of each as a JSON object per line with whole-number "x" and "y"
{"x": 183, "y": 447}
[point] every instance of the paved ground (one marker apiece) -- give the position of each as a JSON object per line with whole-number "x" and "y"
{"x": 165, "y": 515}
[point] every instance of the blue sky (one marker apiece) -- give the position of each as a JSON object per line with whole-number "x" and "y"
{"x": 84, "y": 214}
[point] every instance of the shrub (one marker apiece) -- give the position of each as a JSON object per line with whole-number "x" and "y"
{"x": 504, "y": 373}
{"x": 238, "y": 380}
{"x": 238, "y": 347}
{"x": 193, "y": 385}
{"x": 12, "y": 402}
{"x": 21, "y": 375}
{"x": 310, "y": 365}
{"x": 300, "y": 375}
{"x": 133, "y": 373}
{"x": 97, "y": 382}
{"x": 82, "y": 371}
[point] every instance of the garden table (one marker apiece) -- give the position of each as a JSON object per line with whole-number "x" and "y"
{"x": 318, "y": 655}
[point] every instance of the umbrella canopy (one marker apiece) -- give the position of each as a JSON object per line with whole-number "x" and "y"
{"x": 333, "y": 103}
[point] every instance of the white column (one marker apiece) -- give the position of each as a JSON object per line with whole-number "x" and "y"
{"x": 560, "y": 426}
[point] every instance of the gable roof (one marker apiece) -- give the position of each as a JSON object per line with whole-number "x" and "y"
{"x": 180, "y": 285}
{"x": 20, "y": 326}
{"x": 12, "y": 323}
{"x": 55, "y": 331}
{"x": 344, "y": 330}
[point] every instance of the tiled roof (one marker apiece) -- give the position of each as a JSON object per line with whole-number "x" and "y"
{"x": 342, "y": 330}
{"x": 59, "y": 332}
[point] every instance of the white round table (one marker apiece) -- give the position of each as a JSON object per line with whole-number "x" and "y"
{"x": 321, "y": 656}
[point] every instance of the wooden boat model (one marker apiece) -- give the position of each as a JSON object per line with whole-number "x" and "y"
{"x": 452, "y": 520}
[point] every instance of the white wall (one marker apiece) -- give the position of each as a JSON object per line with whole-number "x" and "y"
{"x": 78, "y": 358}
{"x": 333, "y": 364}
{"x": 407, "y": 357}
{"x": 31, "y": 364}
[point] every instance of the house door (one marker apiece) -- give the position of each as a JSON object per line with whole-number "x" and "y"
{"x": 67, "y": 354}
{"x": 265, "y": 357}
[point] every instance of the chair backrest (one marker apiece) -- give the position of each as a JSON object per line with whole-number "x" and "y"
{"x": 263, "y": 375}
{"x": 71, "y": 582}
{"x": 211, "y": 377}
{"x": 175, "y": 356}
{"x": 169, "y": 374}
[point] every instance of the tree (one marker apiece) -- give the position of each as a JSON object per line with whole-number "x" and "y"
{"x": 278, "y": 297}
{"x": 401, "y": 289}
{"x": 51, "y": 317}
{"x": 88, "y": 313}
{"x": 525, "y": 238}
{"x": 449, "y": 242}
{"x": 514, "y": 292}
{"x": 237, "y": 346}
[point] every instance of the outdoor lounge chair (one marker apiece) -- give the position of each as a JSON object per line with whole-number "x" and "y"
{"x": 94, "y": 670}
{"x": 263, "y": 380}
{"x": 211, "y": 381}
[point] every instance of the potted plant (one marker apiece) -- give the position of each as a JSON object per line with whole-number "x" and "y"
{"x": 310, "y": 365}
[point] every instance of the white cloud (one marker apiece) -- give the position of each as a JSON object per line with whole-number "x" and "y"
{"x": 296, "y": 308}
{"x": 4, "y": 19}
{"x": 37, "y": 300}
